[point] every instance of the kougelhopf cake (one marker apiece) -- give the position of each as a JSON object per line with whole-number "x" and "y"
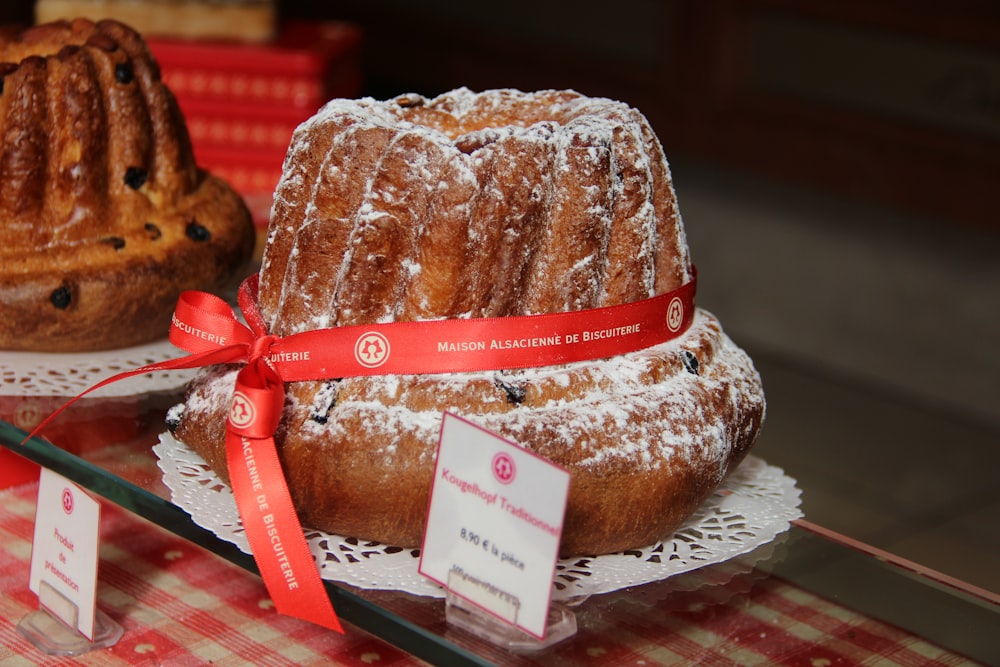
{"x": 494, "y": 204}
{"x": 104, "y": 216}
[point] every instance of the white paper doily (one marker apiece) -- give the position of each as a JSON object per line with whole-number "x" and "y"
{"x": 69, "y": 373}
{"x": 755, "y": 505}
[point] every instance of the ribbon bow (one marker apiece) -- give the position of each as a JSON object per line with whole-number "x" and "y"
{"x": 207, "y": 327}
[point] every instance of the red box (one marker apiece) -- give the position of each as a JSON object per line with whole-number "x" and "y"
{"x": 305, "y": 65}
{"x": 228, "y": 126}
{"x": 243, "y": 101}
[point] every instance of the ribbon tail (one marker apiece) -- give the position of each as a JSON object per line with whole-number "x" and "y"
{"x": 276, "y": 538}
{"x": 218, "y": 356}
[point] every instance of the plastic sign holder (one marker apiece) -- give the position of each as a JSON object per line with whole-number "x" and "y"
{"x": 459, "y": 612}
{"x": 52, "y": 636}
{"x": 492, "y": 538}
{"x": 64, "y": 572}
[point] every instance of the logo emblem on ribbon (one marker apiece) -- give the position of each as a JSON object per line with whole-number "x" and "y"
{"x": 372, "y": 349}
{"x": 241, "y": 411}
{"x": 675, "y": 314}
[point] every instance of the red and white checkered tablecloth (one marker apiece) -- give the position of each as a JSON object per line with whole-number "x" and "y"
{"x": 178, "y": 603}
{"x": 181, "y": 605}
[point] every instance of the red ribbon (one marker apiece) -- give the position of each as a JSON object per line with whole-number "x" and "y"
{"x": 206, "y": 327}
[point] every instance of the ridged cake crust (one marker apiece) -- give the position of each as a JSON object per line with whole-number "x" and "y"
{"x": 482, "y": 205}
{"x": 489, "y": 205}
{"x": 104, "y": 216}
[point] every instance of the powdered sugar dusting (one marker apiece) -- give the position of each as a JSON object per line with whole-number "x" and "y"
{"x": 492, "y": 205}
{"x": 467, "y": 129}
{"x": 654, "y": 423}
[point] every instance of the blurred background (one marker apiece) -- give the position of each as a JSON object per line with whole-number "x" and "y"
{"x": 837, "y": 165}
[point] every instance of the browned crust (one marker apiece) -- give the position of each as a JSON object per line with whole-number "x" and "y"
{"x": 123, "y": 296}
{"x": 495, "y": 204}
{"x": 368, "y": 472}
{"x": 104, "y": 216}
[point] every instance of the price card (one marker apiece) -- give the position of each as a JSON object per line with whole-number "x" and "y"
{"x": 63, "y": 569}
{"x": 494, "y": 524}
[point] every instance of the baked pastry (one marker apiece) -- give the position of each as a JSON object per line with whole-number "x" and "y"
{"x": 494, "y": 204}
{"x": 104, "y": 216}
{"x": 243, "y": 20}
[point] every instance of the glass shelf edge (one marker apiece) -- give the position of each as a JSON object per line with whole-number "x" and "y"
{"x": 350, "y": 607}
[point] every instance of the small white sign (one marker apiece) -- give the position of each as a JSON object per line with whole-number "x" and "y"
{"x": 64, "y": 552}
{"x": 494, "y": 524}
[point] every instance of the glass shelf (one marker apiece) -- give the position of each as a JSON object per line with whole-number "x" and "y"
{"x": 105, "y": 445}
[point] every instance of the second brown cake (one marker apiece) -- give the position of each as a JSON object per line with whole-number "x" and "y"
{"x": 104, "y": 216}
